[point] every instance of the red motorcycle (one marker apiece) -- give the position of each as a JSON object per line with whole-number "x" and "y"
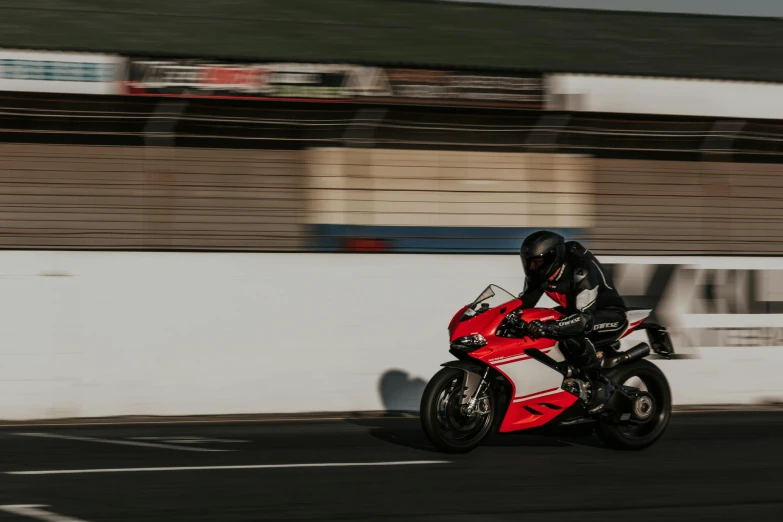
{"x": 504, "y": 381}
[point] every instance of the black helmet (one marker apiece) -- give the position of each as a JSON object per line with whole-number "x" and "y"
{"x": 542, "y": 253}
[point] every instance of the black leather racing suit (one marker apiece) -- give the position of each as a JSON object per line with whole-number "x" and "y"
{"x": 590, "y": 303}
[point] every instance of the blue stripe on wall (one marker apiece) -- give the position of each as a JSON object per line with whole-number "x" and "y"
{"x": 418, "y": 239}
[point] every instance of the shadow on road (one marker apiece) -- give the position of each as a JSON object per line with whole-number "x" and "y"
{"x": 401, "y": 392}
{"x": 407, "y": 432}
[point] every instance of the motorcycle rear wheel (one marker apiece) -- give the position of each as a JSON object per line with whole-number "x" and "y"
{"x": 640, "y": 436}
{"x": 443, "y": 420}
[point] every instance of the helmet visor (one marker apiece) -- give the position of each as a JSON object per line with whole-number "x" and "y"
{"x": 539, "y": 266}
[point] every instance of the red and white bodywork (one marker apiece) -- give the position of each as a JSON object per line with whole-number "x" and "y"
{"x": 537, "y": 396}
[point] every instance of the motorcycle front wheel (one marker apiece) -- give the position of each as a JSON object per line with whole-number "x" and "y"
{"x": 444, "y": 419}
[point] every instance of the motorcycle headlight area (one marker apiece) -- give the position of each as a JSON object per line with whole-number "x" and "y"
{"x": 469, "y": 343}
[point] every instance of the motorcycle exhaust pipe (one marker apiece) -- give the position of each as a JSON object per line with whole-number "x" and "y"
{"x": 634, "y": 354}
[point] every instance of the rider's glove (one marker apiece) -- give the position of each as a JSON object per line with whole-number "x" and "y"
{"x": 537, "y": 329}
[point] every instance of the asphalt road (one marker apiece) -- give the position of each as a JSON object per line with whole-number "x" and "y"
{"x": 708, "y": 467}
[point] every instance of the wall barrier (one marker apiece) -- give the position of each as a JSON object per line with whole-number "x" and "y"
{"x": 103, "y": 334}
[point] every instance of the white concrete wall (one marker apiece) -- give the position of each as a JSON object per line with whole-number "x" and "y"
{"x": 94, "y": 334}
{"x": 679, "y": 96}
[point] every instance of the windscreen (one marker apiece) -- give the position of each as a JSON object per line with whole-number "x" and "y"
{"x": 491, "y": 297}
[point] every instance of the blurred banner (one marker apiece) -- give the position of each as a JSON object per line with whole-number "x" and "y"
{"x": 706, "y": 302}
{"x": 669, "y": 96}
{"x": 189, "y": 78}
{"x": 59, "y": 72}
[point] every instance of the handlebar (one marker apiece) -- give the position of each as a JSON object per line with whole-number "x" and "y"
{"x": 516, "y": 321}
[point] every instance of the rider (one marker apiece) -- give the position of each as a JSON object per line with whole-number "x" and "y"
{"x": 594, "y": 313}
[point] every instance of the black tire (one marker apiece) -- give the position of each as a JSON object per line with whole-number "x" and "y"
{"x": 440, "y": 410}
{"x": 639, "y": 437}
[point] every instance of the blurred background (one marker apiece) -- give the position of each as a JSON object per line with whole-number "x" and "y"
{"x": 233, "y": 234}
{"x": 205, "y": 177}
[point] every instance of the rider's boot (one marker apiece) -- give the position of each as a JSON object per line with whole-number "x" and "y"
{"x": 583, "y": 354}
{"x": 602, "y": 387}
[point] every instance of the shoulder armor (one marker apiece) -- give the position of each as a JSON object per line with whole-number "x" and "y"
{"x": 581, "y": 270}
{"x": 576, "y": 248}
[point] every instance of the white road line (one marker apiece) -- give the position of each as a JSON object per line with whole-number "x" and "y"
{"x": 121, "y": 442}
{"x": 165, "y": 422}
{"x": 34, "y": 511}
{"x": 188, "y": 440}
{"x": 252, "y": 466}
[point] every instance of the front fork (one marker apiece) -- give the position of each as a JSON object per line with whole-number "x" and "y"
{"x": 473, "y": 385}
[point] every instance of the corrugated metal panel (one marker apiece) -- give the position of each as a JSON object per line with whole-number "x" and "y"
{"x": 671, "y": 207}
{"x": 168, "y": 198}
{"x": 384, "y": 187}
{"x": 418, "y": 179}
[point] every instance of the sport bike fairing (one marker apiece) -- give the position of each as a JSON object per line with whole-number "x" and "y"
{"x": 478, "y": 332}
{"x": 537, "y": 396}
